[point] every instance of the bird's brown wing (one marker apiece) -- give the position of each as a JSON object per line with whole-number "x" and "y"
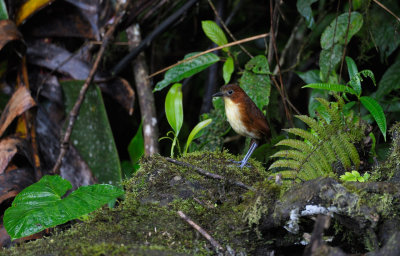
{"x": 256, "y": 120}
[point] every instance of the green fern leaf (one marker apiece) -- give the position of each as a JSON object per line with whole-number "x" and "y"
{"x": 340, "y": 152}
{"x": 351, "y": 149}
{"x": 291, "y": 154}
{"x": 313, "y": 124}
{"x": 286, "y": 163}
{"x": 312, "y": 138}
{"x": 297, "y": 144}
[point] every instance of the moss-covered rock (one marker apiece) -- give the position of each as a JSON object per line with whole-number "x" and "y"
{"x": 146, "y": 221}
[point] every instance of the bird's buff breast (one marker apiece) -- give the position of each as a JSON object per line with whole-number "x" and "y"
{"x": 233, "y": 114}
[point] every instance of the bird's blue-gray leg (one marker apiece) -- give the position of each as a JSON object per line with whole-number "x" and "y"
{"x": 253, "y": 146}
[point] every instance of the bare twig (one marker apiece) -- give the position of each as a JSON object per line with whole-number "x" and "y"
{"x": 209, "y": 174}
{"x": 75, "y": 110}
{"x": 145, "y": 95}
{"x": 213, "y": 242}
{"x": 210, "y": 50}
{"x": 386, "y": 9}
{"x": 226, "y": 28}
{"x": 282, "y": 90}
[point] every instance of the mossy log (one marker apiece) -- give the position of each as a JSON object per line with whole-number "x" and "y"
{"x": 318, "y": 217}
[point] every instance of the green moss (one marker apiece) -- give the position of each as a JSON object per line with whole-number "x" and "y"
{"x": 147, "y": 223}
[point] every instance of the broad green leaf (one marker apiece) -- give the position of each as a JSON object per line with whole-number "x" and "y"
{"x": 187, "y": 69}
{"x": 195, "y": 131}
{"x": 304, "y": 8}
{"x": 3, "y": 11}
{"x": 353, "y": 71}
{"x": 228, "y": 69}
{"x": 42, "y": 205}
{"x": 383, "y": 28}
{"x": 255, "y": 80}
{"x": 328, "y": 60}
{"x": 136, "y": 147}
{"x": 331, "y": 87}
{"x": 174, "y": 108}
{"x": 390, "y": 80}
{"x": 333, "y": 36}
{"x": 310, "y": 77}
{"x": 376, "y": 111}
{"x": 92, "y": 135}
{"x": 214, "y": 33}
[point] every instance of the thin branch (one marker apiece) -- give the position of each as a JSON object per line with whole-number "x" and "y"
{"x": 213, "y": 242}
{"x": 210, "y": 50}
{"x": 386, "y": 9}
{"x": 209, "y": 174}
{"x": 75, "y": 110}
{"x": 283, "y": 91}
{"x": 226, "y": 28}
{"x": 345, "y": 42}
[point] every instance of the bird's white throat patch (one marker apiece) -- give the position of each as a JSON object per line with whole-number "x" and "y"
{"x": 233, "y": 114}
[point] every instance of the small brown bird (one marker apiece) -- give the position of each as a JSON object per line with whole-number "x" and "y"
{"x": 244, "y": 116}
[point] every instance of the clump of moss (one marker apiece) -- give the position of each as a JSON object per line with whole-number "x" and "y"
{"x": 146, "y": 221}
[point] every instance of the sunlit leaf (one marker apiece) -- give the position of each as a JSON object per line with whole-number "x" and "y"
{"x": 187, "y": 69}
{"x": 228, "y": 69}
{"x": 336, "y": 31}
{"x": 42, "y": 205}
{"x": 214, "y": 33}
{"x": 174, "y": 108}
{"x": 29, "y": 8}
{"x": 92, "y": 135}
{"x": 195, "y": 131}
{"x": 376, "y": 111}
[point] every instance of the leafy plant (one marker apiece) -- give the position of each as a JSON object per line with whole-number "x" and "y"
{"x": 354, "y": 176}
{"x": 354, "y": 87}
{"x": 217, "y": 35}
{"x": 174, "y": 113}
{"x": 42, "y": 205}
{"x": 136, "y": 148}
{"x": 330, "y": 140}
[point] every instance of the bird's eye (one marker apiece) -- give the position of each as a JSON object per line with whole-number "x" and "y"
{"x": 230, "y": 92}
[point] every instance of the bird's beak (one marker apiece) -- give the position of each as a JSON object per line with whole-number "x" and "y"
{"x": 218, "y": 94}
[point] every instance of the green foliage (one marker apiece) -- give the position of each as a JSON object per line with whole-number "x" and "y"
{"x": 256, "y": 82}
{"x": 136, "y": 148}
{"x": 389, "y": 81}
{"x": 332, "y": 35}
{"x": 3, "y": 11}
{"x": 329, "y": 59}
{"x": 174, "y": 111}
{"x": 228, "y": 69}
{"x": 354, "y": 87}
{"x": 42, "y": 205}
{"x": 96, "y": 146}
{"x": 214, "y": 33}
{"x": 200, "y": 126}
{"x": 328, "y": 142}
{"x": 354, "y": 176}
{"x": 304, "y": 8}
{"x": 187, "y": 69}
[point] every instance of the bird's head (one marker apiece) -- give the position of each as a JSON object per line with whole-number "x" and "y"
{"x": 231, "y": 91}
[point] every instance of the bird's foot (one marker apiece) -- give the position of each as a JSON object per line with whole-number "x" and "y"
{"x": 241, "y": 164}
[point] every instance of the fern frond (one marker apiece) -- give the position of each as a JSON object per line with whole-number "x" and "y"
{"x": 286, "y": 163}
{"x": 312, "y": 123}
{"x": 350, "y": 149}
{"x": 332, "y": 111}
{"x": 340, "y": 151}
{"x": 297, "y": 144}
{"x": 287, "y": 174}
{"x": 312, "y": 138}
{"x": 291, "y": 154}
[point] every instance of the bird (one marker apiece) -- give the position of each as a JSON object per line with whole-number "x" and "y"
{"x": 244, "y": 117}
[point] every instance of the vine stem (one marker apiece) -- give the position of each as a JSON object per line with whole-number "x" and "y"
{"x": 75, "y": 110}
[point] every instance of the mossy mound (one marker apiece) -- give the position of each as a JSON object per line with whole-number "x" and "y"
{"x": 147, "y": 223}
